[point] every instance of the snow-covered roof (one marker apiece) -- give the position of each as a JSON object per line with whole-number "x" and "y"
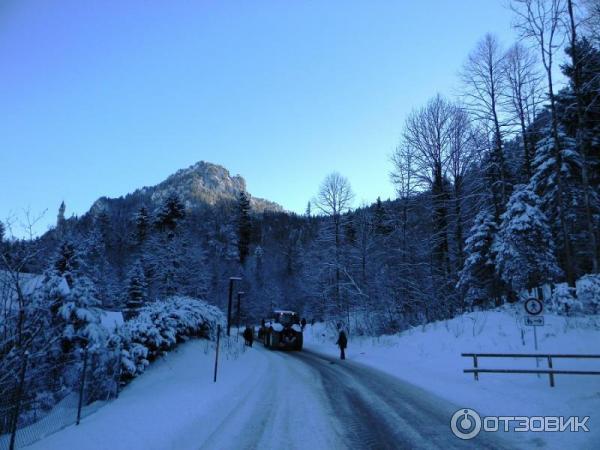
{"x": 283, "y": 311}
{"x": 111, "y": 319}
{"x": 28, "y": 282}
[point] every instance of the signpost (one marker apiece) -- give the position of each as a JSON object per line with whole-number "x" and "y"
{"x": 535, "y": 321}
{"x": 534, "y": 308}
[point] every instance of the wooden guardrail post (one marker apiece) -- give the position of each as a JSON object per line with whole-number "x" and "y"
{"x": 550, "y": 374}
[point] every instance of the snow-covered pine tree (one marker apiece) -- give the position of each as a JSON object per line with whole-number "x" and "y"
{"x": 67, "y": 262}
{"x": 142, "y": 225}
{"x": 477, "y": 279}
{"x": 524, "y": 246}
{"x": 163, "y": 259}
{"x": 163, "y": 253}
{"x": 381, "y": 219}
{"x": 244, "y": 223}
{"x": 545, "y": 184}
{"x": 350, "y": 229}
{"x": 136, "y": 290}
{"x": 82, "y": 315}
{"x": 578, "y": 106}
{"x": 96, "y": 265}
{"x": 191, "y": 273}
{"x": 171, "y": 212}
{"x": 76, "y": 313}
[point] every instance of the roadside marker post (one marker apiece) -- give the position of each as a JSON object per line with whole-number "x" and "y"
{"x": 231, "y": 280}
{"x": 238, "y": 313}
{"x": 217, "y": 352}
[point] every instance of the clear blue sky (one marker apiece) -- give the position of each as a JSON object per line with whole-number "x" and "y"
{"x": 102, "y": 97}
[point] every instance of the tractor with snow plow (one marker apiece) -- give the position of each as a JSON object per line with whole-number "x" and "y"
{"x": 282, "y": 331}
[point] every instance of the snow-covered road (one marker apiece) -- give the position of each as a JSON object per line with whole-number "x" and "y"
{"x": 309, "y": 400}
{"x": 266, "y": 399}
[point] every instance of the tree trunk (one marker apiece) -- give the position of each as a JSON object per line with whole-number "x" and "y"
{"x": 526, "y": 151}
{"x": 581, "y": 145}
{"x": 459, "y": 229}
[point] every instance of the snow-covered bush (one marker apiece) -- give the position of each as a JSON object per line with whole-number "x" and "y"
{"x": 564, "y": 300}
{"x": 588, "y": 292}
{"x": 159, "y": 326}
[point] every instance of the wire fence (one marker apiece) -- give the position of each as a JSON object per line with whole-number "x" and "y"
{"x": 41, "y": 394}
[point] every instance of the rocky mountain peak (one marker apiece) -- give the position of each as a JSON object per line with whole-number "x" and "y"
{"x": 202, "y": 183}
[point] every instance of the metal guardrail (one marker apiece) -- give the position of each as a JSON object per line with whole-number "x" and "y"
{"x": 550, "y": 371}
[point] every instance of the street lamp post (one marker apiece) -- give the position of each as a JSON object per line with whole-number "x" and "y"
{"x": 231, "y": 280}
{"x": 239, "y": 302}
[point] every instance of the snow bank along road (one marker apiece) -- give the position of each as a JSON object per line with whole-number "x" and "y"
{"x": 266, "y": 399}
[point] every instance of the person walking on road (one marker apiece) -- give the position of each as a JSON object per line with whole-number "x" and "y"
{"x": 248, "y": 336}
{"x": 342, "y": 341}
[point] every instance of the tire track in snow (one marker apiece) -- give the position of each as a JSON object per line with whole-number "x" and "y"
{"x": 379, "y": 411}
{"x": 281, "y": 408}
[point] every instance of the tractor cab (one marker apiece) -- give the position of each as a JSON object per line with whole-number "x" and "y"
{"x": 286, "y": 318}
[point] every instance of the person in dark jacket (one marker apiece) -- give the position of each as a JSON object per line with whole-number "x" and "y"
{"x": 303, "y": 323}
{"x": 342, "y": 341}
{"x": 248, "y": 336}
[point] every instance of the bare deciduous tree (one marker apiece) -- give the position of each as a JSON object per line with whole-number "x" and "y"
{"x": 335, "y": 198}
{"x": 405, "y": 179}
{"x": 484, "y": 78}
{"x": 463, "y": 147}
{"x": 592, "y": 19}
{"x": 335, "y": 195}
{"x": 428, "y": 133}
{"x": 524, "y": 96}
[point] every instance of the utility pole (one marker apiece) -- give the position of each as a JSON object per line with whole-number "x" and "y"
{"x": 239, "y": 313}
{"x": 231, "y": 281}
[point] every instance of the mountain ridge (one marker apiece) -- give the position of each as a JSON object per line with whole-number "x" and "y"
{"x": 203, "y": 183}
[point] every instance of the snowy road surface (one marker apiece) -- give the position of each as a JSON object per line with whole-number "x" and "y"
{"x": 313, "y": 401}
{"x": 266, "y": 399}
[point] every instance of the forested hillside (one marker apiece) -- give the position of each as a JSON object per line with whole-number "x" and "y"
{"x": 497, "y": 193}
